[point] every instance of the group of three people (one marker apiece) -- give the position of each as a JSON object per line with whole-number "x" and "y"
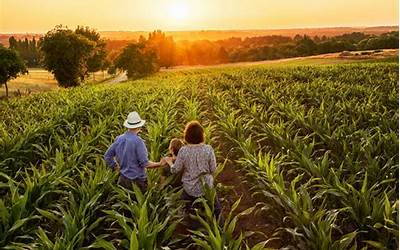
{"x": 194, "y": 159}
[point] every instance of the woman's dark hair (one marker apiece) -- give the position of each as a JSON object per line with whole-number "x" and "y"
{"x": 194, "y": 133}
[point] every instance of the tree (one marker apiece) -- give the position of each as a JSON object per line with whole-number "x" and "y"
{"x": 305, "y": 46}
{"x": 27, "y": 50}
{"x": 12, "y": 43}
{"x": 11, "y": 66}
{"x": 66, "y": 54}
{"x": 136, "y": 61}
{"x": 223, "y": 56}
{"x": 164, "y": 47}
{"x": 97, "y": 60}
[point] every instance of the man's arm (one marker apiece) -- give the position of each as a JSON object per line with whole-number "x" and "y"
{"x": 151, "y": 164}
{"x": 142, "y": 154}
{"x": 110, "y": 154}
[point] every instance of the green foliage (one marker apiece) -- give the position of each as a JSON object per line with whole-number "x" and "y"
{"x": 11, "y": 66}
{"x": 97, "y": 60}
{"x": 385, "y": 41}
{"x": 147, "y": 220}
{"x": 319, "y": 146}
{"x": 136, "y": 61}
{"x": 214, "y": 235}
{"x": 66, "y": 54}
{"x": 27, "y": 49}
{"x": 309, "y": 141}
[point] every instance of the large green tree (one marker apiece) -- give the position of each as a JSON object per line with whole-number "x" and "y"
{"x": 11, "y": 66}
{"x": 66, "y": 54}
{"x": 136, "y": 61}
{"x": 97, "y": 61}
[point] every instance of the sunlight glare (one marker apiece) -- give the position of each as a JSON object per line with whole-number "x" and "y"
{"x": 178, "y": 11}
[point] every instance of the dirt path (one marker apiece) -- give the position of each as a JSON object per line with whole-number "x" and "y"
{"x": 119, "y": 78}
{"x": 237, "y": 186}
{"x": 258, "y": 222}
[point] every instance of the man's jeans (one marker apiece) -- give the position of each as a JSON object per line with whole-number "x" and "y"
{"x": 127, "y": 183}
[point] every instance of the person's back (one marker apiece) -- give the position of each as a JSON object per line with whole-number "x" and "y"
{"x": 128, "y": 154}
{"x": 198, "y": 164}
{"x": 130, "y": 160}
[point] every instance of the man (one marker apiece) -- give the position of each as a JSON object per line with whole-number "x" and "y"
{"x": 128, "y": 155}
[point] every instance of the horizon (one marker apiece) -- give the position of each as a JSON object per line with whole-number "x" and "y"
{"x": 216, "y": 30}
{"x": 40, "y": 16}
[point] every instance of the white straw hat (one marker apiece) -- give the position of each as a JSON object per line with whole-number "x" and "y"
{"x": 134, "y": 121}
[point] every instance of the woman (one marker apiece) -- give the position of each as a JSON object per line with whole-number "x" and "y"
{"x": 197, "y": 161}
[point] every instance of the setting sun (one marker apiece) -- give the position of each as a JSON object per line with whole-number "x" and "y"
{"x": 42, "y": 15}
{"x": 178, "y": 11}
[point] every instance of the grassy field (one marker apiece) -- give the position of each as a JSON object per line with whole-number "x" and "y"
{"x": 39, "y": 80}
{"x": 331, "y": 58}
{"x": 307, "y": 159}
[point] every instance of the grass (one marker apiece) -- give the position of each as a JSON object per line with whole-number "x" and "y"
{"x": 39, "y": 80}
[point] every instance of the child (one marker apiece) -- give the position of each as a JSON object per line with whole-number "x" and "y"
{"x": 174, "y": 146}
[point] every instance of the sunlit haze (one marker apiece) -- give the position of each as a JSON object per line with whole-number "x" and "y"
{"x": 42, "y": 15}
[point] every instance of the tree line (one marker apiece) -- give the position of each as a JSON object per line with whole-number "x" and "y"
{"x": 27, "y": 49}
{"x": 72, "y": 55}
{"x": 285, "y": 47}
{"x": 205, "y": 52}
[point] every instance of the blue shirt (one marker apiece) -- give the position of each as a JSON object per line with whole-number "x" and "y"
{"x": 130, "y": 152}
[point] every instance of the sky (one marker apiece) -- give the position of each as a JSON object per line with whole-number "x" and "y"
{"x": 38, "y": 16}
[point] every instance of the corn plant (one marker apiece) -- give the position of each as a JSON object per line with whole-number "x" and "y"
{"x": 147, "y": 221}
{"x": 319, "y": 145}
{"x": 214, "y": 234}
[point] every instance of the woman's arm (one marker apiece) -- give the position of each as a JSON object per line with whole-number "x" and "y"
{"x": 178, "y": 165}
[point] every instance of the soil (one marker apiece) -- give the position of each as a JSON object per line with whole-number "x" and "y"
{"x": 233, "y": 177}
{"x": 236, "y": 186}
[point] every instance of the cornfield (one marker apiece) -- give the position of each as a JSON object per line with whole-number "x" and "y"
{"x": 319, "y": 145}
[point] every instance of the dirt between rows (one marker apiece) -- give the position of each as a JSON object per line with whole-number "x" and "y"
{"x": 239, "y": 187}
{"x": 235, "y": 186}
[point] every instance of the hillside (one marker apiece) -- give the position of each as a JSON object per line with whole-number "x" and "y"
{"x": 40, "y": 80}
{"x": 307, "y": 155}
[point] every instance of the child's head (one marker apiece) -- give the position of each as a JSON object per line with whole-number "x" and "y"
{"x": 175, "y": 145}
